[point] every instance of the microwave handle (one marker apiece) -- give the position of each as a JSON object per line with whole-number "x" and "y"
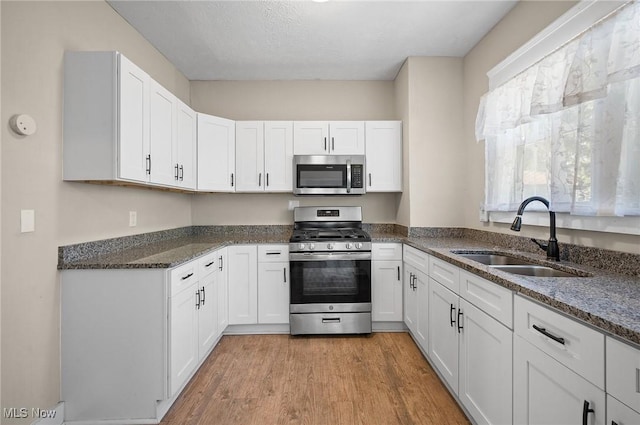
{"x": 348, "y": 176}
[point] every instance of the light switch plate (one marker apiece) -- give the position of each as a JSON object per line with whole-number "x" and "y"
{"x": 27, "y": 221}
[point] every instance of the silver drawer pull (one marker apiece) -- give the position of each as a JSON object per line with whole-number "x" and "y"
{"x": 331, "y": 320}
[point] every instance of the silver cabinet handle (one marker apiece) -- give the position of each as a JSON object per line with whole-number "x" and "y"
{"x": 181, "y": 173}
{"x": 176, "y": 175}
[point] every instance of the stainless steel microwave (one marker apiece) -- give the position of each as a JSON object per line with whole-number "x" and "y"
{"x": 328, "y": 175}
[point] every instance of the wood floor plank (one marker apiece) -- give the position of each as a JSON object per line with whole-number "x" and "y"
{"x": 285, "y": 380}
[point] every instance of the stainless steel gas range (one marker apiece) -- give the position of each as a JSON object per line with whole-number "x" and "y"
{"x": 330, "y": 262}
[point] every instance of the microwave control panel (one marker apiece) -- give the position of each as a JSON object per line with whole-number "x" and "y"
{"x": 357, "y": 178}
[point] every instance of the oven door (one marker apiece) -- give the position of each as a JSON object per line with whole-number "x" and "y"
{"x": 330, "y": 278}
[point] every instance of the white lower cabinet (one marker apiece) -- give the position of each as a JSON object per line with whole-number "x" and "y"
{"x": 547, "y": 392}
{"x": 222, "y": 289}
{"x": 386, "y": 282}
{"x": 416, "y": 293}
{"x": 485, "y": 361}
{"x": 443, "y": 332}
{"x": 183, "y": 337}
{"x": 620, "y": 414}
{"x": 273, "y": 284}
{"x": 243, "y": 284}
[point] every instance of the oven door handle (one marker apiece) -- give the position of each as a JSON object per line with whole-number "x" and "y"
{"x": 330, "y": 256}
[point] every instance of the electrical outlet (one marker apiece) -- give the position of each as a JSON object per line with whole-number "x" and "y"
{"x": 27, "y": 221}
{"x": 484, "y": 215}
{"x": 293, "y": 204}
{"x": 133, "y": 219}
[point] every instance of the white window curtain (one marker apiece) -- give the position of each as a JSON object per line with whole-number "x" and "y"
{"x": 568, "y": 127}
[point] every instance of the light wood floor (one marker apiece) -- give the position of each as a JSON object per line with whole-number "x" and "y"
{"x": 278, "y": 379}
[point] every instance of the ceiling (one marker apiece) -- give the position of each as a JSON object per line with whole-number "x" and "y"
{"x": 306, "y": 40}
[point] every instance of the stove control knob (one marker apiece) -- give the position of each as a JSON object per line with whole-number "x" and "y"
{"x": 301, "y": 246}
{"x": 348, "y": 245}
{"x": 358, "y": 245}
{"x": 312, "y": 246}
{"x": 329, "y": 246}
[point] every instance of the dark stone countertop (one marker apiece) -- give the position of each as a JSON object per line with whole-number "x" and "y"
{"x": 608, "y": 301}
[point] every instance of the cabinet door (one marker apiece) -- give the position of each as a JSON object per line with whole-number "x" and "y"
{"x": 278, "y": 156}
{"x": 216, "y": 154}
{"x": 547, "y": 392}
{"x": 273, "y": 293}
{"x": 623, "y": 372}
{"x": 410, "y": 298}
{"x": 250, "y": 156}
{"x": 384, "y": 156}
{"x": 162, "y": 133}
{"x": 620, "y": 414}
{"x": 422, "y": 327}
{"x": 222, "y": 290}
{"x": 243, "y": 284}
{"x": 186, "y": 146}
{"x": 386, "y": 291}
{"x": 485, "y": 381}
{"x": 310, "y": 138}
{"x": 133, "y": 114}
{"x": 443, "y": 332}
{"x": 183, "y": 337}
{"x": 346, "y": 138}
{"x": 207, "y": 315}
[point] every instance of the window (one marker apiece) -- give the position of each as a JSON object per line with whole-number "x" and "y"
{"x": 568, "y": 126}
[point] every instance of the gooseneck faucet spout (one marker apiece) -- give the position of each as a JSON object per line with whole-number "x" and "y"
{"x": 553, "y": 251}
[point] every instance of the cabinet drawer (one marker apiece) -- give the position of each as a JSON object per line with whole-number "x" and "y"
{"x": 489, "y": 297}
{"x": 576, "y": 346}
{"x": 623, "y": 372}
{"x": 183, "y": 276}
{"x": 386, "y": 251}
{"x": 416, "y": 258}
{"x": 273, "y": 253}
{"x": 207, "y": 264}
{"x": 445, "y": 273}
{"x": 620, "y": 414}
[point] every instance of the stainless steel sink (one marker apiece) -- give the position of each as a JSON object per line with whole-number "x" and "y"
{"x": 533, "y": 270}
{"x": 494, "y": 259}
{"x": 515, "y": 265}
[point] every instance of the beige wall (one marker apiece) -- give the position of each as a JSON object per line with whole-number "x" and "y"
{"x": 434, "y": 141}
{"x": 402, "y": 95}
{"x": 291, "y": 100}
{"x": 524, "y": 21}
{"x": 34, "y": 37}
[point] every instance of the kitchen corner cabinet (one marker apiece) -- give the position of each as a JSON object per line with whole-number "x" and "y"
{"x": 328, "y": 138}
{"x": 264, "y": 156}
{"x": 167, "y": 322}
{"x": 273, "y": 284}
{"x": 243, "y": 284}
{"x": 386, "y": 282}
{"x": 121, "y": 125}
{"x": 216, "y": 154}
{"x": 384, "y": 156}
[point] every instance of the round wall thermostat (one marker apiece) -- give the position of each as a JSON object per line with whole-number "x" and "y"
{"x": 23, "y": 124}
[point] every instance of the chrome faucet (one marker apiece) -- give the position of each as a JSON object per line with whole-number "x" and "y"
{"x": 553, "y": 251}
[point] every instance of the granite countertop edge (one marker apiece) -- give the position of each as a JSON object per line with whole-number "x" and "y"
{"x": 607, "y": 301}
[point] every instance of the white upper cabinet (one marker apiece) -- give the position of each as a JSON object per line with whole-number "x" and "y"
{"x": 250, "y": 156}
{"x": 162, "y": 133}
{"x": 328, "y": 138}
{"x": 105, "y": 118}
{"x": 133, "y": 99}
{"x": 384, "y": 156}
{"x": 264, "y": 156}
{"x": 278, "y": 156}
{"x": 186, "y": 149}
{"x": 121, "y": 125}
{"x": 216, "y": 154}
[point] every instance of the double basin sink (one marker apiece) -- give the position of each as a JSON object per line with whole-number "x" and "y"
{"x": 514, "y": 265}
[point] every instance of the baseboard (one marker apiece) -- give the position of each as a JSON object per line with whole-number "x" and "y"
{"x": 389, "y": 327}
{"x": 257, "y": 329}
{"x": 53, "y": 416}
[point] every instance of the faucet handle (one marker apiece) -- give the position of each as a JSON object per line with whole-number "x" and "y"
{"x": 540, "y": 244}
